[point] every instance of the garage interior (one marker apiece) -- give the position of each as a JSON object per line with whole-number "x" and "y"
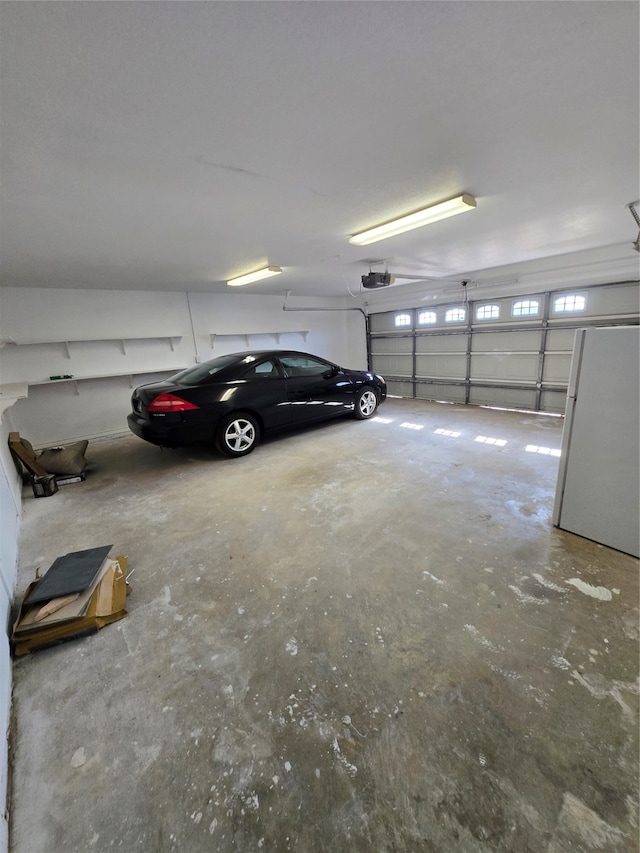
{"x": 363, "y": 636}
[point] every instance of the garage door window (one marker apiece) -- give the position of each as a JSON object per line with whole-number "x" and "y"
{"x": 487, "y": 312}
{"x": 403, "y": 320}
{"x": 455, "y": 315}
{"x": 525, "y": 308}
{"x": 569, "y": 303}
{"x": 426, "y": 318}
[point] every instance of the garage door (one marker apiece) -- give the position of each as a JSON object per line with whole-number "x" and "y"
{"x": 513, "y": 352}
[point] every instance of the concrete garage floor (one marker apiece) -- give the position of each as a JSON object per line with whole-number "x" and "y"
{"x": 362, "y": 637}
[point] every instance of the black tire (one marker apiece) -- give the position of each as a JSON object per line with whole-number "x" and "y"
{"x": 366, "y": 403}
{"x": 237, "y": 434}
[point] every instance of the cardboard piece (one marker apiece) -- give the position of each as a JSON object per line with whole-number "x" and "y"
{"x": 60, "y": 608}
{"x": 106, "y": 604}
{"x": 22, "y": 454}
{"x": 73, "y": 572}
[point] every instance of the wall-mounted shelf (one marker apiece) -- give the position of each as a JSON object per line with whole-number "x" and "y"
{"x": 129, "y": 373}
{"x": 173, "y": 340}
{"x": 248, "y": 335}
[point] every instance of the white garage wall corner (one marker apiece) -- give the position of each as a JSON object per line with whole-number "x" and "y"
{"x": 109, "y": 342}
{"x": 5, "y": 718}
{"x": 10, "y": 514}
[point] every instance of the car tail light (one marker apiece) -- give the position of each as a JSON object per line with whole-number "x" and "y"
{"x": 170, "y": 403}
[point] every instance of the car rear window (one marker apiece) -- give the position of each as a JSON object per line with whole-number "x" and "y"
{"x": 203, "y": 372}
{"x": 263, "y": 370}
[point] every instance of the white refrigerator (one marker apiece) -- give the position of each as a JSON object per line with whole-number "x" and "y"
{"x": 598, "y": 487}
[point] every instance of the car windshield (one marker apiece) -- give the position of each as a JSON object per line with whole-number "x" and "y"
{"x": 203, "y": 372}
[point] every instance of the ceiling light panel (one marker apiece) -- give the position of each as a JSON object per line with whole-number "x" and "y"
{"x": 433, "y": 213}
{"x": 250, "y": 277}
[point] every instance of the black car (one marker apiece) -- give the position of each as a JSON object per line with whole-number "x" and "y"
{"x": 233, "y": 399}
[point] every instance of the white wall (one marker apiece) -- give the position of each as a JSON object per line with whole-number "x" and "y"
{"x": 93, "y": 333}
{"x": 10, "y": 512}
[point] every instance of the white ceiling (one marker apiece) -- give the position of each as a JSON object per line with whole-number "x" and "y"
{"x": 170, "y": 146}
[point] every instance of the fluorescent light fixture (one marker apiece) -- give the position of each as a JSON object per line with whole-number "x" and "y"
{"x": 254, "y": 276}
{"x": 415, "y": 220}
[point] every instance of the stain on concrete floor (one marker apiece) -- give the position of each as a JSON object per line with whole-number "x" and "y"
{"x": 362, "y": 637}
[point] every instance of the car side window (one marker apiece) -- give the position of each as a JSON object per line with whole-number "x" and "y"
{"x": 263, "y": 370}
{"x": 299, "y": 365}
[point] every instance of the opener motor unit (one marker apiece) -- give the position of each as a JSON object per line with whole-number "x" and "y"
{"x": 376, "y": 279}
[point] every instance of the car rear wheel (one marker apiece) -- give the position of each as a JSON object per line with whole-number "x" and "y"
{"x": 237, "y": 434}
{"x": 366, "y": 403}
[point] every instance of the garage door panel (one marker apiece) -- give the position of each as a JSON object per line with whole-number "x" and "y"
{"x": 553, "y": 401}
{"x": 449, "y": 393}
{"x": 556, "y": 367}
{"x": 618, "y": 299}
{"x": 399, "y": 389}
{"x": 443, "y": 366}
{"x": 441, "y": 344}
{"x": 393, "y": 364}
{"x": 391, "y": 345}
{"x": 561, "y": 340}
{"x": 386, "y": 322}
{"x": 511, "y": 398}
{"x": 513, "y": 341}
{"x": 605, "y": 301}
{"x": 504, "y": 367}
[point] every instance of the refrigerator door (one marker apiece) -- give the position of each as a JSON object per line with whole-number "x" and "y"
{"x": 598, "y": 487}
{"x": 572, "y": 390}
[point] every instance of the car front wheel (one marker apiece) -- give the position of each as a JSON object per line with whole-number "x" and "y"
{"x": 366, "y": 403}
{"x": 237, "y": 435}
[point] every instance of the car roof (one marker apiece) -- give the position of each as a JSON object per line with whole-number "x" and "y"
{"x": 264, "y": 353}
